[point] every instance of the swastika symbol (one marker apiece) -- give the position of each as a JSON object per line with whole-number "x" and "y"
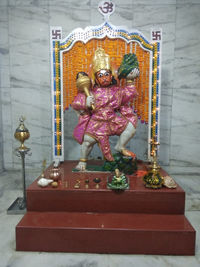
{"x": 56, "y": 34}
{"x": 156, "y": 35}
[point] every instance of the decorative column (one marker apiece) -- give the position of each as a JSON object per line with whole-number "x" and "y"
{"x": 57, "y": 94}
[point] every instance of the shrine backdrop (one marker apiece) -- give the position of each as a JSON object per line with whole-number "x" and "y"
{"x": 26, "y": 85}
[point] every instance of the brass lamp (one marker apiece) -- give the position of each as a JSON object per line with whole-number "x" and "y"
{"x": 153, "y": 179}
{"x": 21, "y": 134}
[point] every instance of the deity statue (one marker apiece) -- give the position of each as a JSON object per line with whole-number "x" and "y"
{"x": 104, "y": 108}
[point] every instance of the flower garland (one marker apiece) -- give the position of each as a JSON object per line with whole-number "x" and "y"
{"x": 79, "y": 58}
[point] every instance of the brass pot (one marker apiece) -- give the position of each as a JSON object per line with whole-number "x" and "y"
{"x": 55, "y": 174}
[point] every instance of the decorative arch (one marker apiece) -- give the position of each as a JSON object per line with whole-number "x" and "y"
{"x": 74, "y": 54}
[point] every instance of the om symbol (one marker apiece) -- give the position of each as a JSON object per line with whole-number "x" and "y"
{"x": 106, "y": 7}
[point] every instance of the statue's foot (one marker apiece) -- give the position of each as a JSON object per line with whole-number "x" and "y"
{"x": 125, "y": 152}
{"x": 118, "y": 148}
{"x": 81, "y": 166}
{"x": 128, "y": 153}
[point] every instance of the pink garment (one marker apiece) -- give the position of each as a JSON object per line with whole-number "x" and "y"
{"x": 103, "y": 121}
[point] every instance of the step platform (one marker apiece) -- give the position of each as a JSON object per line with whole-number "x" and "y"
{"x": 125, "y": 233}
{"x": 99, "y": 220}
{"x": 137, "y": 199}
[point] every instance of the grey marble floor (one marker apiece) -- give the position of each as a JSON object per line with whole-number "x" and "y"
{"x": 10, "y": 189}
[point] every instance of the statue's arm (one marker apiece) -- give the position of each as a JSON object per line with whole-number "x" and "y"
{"x": 128, "y": 94}
{"x": 79, "y": 102}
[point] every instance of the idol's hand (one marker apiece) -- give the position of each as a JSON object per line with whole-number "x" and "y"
{"x": 90, "y": 101}
{"x": 133, "y": 74}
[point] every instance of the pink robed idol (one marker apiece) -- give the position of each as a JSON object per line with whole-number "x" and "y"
{"x": 110, "y": 116}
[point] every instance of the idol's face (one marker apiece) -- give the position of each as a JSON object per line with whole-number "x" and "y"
{"x": 104, "y": 78}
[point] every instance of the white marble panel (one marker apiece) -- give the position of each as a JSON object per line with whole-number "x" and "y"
{"x": 183, "y": 2}
{"x": 182, "y": 170}
{"x": 123, "y": 16}
{"x": 139, "y": 143}
{"x": 94, "y": 3}
{"x": 7, "y": 127}
{"x": 185, "y": 138}
{"x": 27, "y": 2}
{"x": 147, "y": 261}
{"x": 154, "y": 2}
{"x": 1, "y": 155}
{"x": 147, "y": 17}
{"x": 5, "y": 76}
{"x": 70, "y": 3}
{"x": 165, "y": 125}
{"x": 190, "y": 184}
{"x": 36, "y": 107}
{"x": 187, "y": 56}
{"x": 29, "y": 47}
{"x": 1, "y": 138}
{"x": 69, "y": 17}
{"x": 3, "y": 3}
{"x": 4, "y": 49}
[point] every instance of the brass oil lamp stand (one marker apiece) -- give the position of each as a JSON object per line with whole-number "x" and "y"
{"x": 153, "y": 179}
{"x": 21, "y": 134}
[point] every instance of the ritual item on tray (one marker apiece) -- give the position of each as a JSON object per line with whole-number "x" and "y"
{"x": 55, "y": 173}
{"x": 87, "y": 183}
{"x": 43, "y": 182}
{"x": 54, "y": 184}
{"x": 118, "y": 181}
{"x": 169, "y": 182}
{"x": 97, "y": 182}
{"x": 77, "y": 184}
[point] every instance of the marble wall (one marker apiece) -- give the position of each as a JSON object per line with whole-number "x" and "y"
{"x": 25, "y": 74}
{"x": 1, "y": 139}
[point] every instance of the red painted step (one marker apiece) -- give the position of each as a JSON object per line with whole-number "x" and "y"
{"x": 137, "y": 199}
{"x": 123, "y": 233}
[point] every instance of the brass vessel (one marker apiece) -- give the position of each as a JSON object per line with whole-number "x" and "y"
{"x": 22, "y": 134}
{"x": 55, "y": 174}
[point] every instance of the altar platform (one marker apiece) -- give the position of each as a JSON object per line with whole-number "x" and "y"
{"x": 99, "y": 220}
